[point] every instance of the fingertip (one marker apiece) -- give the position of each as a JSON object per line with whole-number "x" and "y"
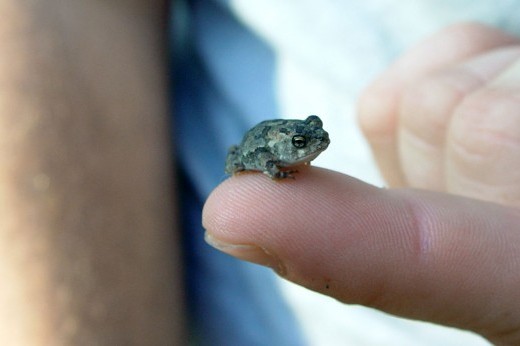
{"x": 235, "y": 201}
{"x": 243, "y": 204}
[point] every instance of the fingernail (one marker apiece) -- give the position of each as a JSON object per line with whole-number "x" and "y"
{"x": 247, "y": 252}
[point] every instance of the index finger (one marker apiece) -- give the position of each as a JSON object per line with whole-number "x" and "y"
{"x": 411, "y": 253}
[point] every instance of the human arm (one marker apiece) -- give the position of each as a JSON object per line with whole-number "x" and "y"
{"x": 87, "y": 250}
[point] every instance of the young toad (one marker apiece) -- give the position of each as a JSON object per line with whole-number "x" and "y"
{"x": 274, "y": 145}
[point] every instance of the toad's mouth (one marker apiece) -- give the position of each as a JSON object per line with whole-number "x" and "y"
{"x": 307, "y": 158}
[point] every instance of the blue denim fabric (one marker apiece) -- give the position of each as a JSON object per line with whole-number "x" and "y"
{"x": 223, "y": 84}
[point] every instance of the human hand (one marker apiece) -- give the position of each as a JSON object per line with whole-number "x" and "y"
{"x": 446, "y": 116}
{"x": 423, "y": 255}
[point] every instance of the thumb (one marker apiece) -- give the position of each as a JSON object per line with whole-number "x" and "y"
{"x": 421, "y": 255}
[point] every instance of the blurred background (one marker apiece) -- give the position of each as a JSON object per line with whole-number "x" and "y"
{"x": 115, "y": 121}
{"x": 243, "y": 62}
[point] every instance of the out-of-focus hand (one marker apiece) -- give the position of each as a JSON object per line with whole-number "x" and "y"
{"x": 446, "y": 116}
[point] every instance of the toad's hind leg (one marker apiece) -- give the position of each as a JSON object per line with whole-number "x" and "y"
{"x": 233, "y": 162}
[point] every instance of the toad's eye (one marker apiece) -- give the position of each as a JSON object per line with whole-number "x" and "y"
{"x": 299, "y": 141}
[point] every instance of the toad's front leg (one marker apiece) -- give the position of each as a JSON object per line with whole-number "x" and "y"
{"x": 274, "y": 172}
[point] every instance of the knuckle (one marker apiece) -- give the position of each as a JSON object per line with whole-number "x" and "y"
{"x": 486, "y": 128}
{"x": 426, "y": 107}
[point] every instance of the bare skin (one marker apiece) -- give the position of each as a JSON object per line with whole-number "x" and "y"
{"x": 88, "y": 253}
{"x": 444, "y": 118}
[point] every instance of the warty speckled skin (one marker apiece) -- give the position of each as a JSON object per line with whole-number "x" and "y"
{"x": 274, "y": 145}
